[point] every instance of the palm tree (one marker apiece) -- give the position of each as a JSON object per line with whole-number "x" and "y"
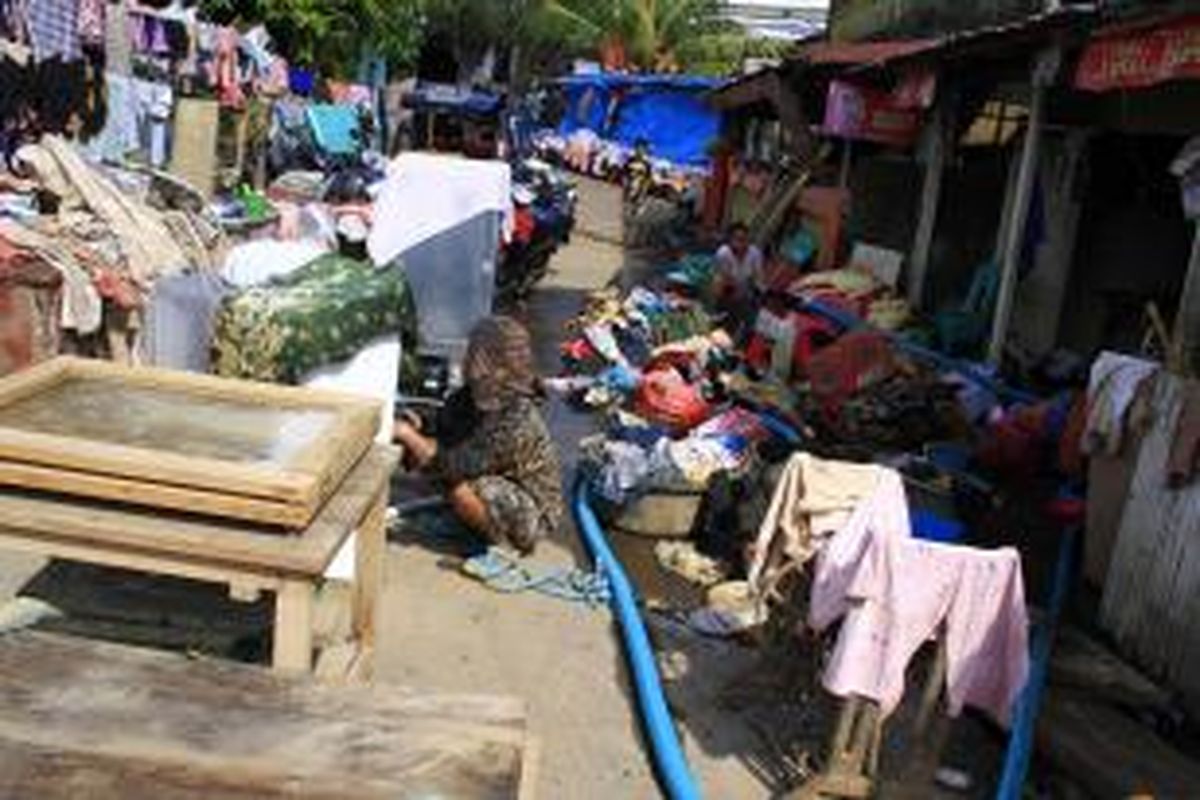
{"x": 648, "y": 33}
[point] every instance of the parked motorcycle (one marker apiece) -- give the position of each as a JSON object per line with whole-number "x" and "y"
{"x": 544, "y": 201}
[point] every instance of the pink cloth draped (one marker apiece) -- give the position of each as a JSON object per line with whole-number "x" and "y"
{"x": 896, "y": 593}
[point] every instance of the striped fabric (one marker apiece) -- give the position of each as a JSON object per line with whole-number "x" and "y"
{"x": 54, "y": 29}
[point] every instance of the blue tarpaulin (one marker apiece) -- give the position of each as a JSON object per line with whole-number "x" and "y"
{"x": 668, "y": 111}
{"x": 335, "y": 128}
{"x": 454, "y": 99}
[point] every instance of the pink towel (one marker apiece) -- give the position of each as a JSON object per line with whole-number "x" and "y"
{"x": 897, "y": 592}
{"x": 883, "y": 514}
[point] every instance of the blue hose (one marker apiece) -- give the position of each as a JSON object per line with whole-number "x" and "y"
{"x": 669, "y": 761}
{"x": 1020, "y": 745}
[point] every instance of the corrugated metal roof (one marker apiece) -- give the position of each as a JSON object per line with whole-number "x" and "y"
{"x": 855, "y": 53}
{"x": 1032, "y": 31}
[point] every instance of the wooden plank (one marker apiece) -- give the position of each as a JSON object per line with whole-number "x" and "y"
{"x": 194, "y": 156}
{"x": 1084, "y": 665}
{"x": 1186, "y": 356}
{"x": 32, "y": 380}
{"x": 1014, "y": 237}
{"x": 307, "y": 478}
{"x": 121, "y": 490}
{"x": 120, "y": 558}
{"x": 1154, "y": 579}
{"x": 110, "y": 721}
{"x": 293, "y": 634}
{"x": 370, "y": 561}
{"x": 530, "y": 769}
{"x": 1109, "y": 754}
{"x": 57, "y": 527}
{"x": 940, "y": 129}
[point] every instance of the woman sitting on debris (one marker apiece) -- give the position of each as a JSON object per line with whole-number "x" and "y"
{"x": 502, "y": 476}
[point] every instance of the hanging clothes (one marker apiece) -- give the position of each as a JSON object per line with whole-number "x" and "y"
{"x": 120, "y": 134}
{"x": 899, "y": 593}
{"x": 814, "y": 500}
{"x": 1113, "y": 385}
{"x": 118, "y": 56}
{"x": 154, "y": 103}
{"x": 92, "y": 23}
{"x": 13, "y": 17}
{"x": 224, "y": 69}
{"x": 54, "y": 30}
{"x": 1184, "y": 459}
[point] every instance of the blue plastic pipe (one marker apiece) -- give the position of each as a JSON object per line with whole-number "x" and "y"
{"x": 673, "y": 772}
{"x": 1020, "y": 743}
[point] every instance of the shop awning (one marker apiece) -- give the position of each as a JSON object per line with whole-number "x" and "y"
{"x": 1141, "y": 58}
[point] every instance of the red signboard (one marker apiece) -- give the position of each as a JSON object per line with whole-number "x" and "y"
{"x": 860, "y": 112}
{"x": 1143, "y": 58}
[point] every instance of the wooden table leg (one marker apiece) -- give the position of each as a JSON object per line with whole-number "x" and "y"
{"x": 293, "y": 626}
{"x": 370, "y": 563}
{"x": 853, "y": 758}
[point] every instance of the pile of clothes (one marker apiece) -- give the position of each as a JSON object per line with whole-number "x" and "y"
{"x": 844, "y": 479}
{"x": 586, "y": 153}
{"x": 657, "y": 366}
{"x": 98, "y": 229}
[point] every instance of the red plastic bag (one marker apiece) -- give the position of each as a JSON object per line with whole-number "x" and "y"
{"x": 667, "y": 399}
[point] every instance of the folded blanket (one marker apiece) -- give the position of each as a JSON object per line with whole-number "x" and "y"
{"x": 318, "y": 315}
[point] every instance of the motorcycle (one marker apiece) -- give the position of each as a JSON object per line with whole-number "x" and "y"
{"x": 544, "y": 202}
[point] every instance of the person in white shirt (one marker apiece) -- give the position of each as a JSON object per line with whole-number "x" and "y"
{"x": 740, "y": 277}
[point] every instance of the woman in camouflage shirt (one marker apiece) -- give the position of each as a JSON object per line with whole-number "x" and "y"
{"x": 503, "y": 479}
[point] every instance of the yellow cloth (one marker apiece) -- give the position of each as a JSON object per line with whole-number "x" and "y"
{"x": 813, "y": 500}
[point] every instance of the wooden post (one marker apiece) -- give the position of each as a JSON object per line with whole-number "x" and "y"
{"x": 369, "y": 570}
{"x": 293, "y": 626}
{"x": 1018, "y": 216}
{"x": 1187, "y": 319}
{"x": 940, "y": 130}
{"x": 847, "y": 162}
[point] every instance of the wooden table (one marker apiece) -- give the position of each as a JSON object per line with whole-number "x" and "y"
{"x": 249, "y": 558}
{"x": 80, "y": 718}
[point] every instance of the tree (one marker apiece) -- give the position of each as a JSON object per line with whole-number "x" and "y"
{"x": 650, "y": 34}
{"x": 543, "y": 35}
{"x": 331, "y": 34}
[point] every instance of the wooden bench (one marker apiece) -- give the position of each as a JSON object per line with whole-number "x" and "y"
{"x": 247, "y": 557}
{"x": 80, "y": 718}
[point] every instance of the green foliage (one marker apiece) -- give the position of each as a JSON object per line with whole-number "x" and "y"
{"x": 543, "y": 35}
{"x": 723, "y": 53}
{"x": 652, "y": 32}
{"x": 331, "y": 34}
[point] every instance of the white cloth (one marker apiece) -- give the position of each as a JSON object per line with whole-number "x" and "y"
{"x": 255, "y": 263}
{"x": 120, "y": 135}
{"x": 1114, "y": 384}
{"x": 425, "y": 195}
{"x": 178, "y": 325}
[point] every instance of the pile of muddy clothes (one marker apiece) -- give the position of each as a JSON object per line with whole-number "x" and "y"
{"x": 838, "y": 476}
{"x": 109, "y": 235}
